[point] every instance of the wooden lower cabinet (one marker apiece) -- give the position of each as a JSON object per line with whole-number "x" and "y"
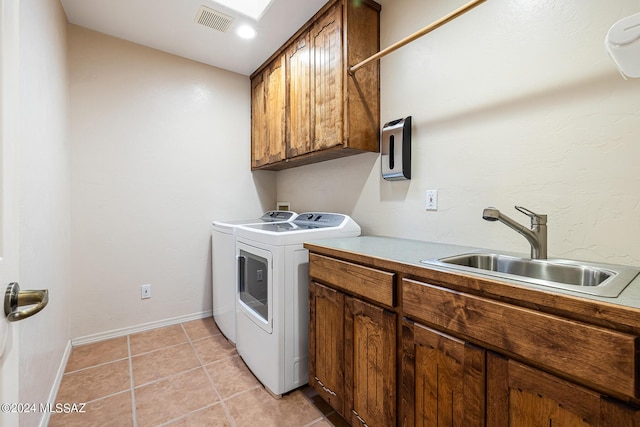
{"x": 352, "y": 356}
{"x": 445, "y": 382}
{"x": 443, "y": 379}
{"x": 449, "y": 366}
{"x": 522, "y": 396}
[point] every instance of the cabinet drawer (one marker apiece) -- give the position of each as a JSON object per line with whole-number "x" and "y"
{"x": 375, "y": 285}
{"x": 595, "y": 355}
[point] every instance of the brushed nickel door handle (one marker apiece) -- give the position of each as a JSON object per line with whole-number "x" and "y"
{"x": 15, "y": 298}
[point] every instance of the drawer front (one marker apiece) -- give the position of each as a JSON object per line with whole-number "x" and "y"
{"x": 369, "y": 283}
{"x": 595, "y": 355}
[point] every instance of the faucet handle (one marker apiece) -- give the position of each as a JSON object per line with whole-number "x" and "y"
{"x": 535, "y": 218}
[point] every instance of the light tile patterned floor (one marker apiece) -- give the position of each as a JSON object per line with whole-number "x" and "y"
{"x": 181, "y": 375}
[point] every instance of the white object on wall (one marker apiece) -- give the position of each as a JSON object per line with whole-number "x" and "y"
{"x": 623, "y": 45}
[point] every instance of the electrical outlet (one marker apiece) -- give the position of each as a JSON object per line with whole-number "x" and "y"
{"x": 432, "y": 200}
{"x": 145, "y": 292}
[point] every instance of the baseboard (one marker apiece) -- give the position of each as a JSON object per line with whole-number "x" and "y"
{"x": 101, "y": 336}
{"x": 44, "y": 421}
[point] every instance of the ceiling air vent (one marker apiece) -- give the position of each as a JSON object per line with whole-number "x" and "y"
{"x": 213, "y": 19}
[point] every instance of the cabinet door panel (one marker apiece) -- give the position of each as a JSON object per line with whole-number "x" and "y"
{"x": 299, "y": 84}
{"x": 328, "y": 91}
{"x": 268, "y": 115}
{"x": 275, "y": 80}
{"x": 521, "y": 396}
{"x": 259, "y": 145}
{"x": 370, "y": 364}
{"x": 326, "y": 344}
{"x": 443, "y": 379}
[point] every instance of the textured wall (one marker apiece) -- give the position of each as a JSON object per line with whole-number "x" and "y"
{"x": 44, "y": 196}
{"x": 514, "y": 103}
{"x": 160, "y": 147}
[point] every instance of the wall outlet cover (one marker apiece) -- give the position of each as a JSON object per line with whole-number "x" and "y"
{"x": 432, "y": 200}
{"x": 145, "y": 291}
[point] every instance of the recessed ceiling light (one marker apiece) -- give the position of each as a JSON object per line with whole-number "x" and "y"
{"x": 246, "y": 32}
{"x": 252, "y": 8}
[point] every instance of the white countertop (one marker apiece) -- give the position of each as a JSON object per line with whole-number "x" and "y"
{"x": 411, "y": 252}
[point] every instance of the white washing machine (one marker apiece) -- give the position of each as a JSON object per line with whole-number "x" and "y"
{"x": 223, "y": 267}
{"x": 272, "y": 299}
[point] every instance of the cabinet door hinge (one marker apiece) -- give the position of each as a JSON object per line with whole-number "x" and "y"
{"x": 359, "y": 418}
{"x": 331, "y": 392}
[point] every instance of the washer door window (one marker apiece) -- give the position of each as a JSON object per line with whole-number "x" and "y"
{"x": 254, "y": 285}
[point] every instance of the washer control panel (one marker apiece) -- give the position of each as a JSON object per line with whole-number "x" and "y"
{"x": 319, "y": 219}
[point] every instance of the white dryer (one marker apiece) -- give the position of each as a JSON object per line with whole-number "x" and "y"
{"x": 223, "y": 267}
{"x": 272, "y": 299}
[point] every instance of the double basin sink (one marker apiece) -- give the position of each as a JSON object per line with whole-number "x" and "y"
{"x": 590, "y": 278}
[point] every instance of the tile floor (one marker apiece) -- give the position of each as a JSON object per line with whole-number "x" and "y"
{"x": 181, "y": 375}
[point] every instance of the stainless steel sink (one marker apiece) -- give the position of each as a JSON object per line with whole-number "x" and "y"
{"x": 595, "y": 279}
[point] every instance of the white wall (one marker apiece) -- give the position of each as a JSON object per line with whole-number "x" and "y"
{"x": 514, "y": 103}
{"x": 160, "y": 146}
{"x": 44, "y": 196}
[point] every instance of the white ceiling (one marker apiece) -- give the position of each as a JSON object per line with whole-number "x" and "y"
{"x": 169, "y": 25}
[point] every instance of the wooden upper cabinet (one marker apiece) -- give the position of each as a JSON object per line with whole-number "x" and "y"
{"x": 329, "y": 112}
{"x": 268, "y": 114}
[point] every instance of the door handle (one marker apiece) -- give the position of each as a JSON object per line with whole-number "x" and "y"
{"x": 15, "y": 298}
{"x": 241, "y": 263}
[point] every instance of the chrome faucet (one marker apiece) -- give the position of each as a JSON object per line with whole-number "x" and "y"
{"x": 537, "y": 236}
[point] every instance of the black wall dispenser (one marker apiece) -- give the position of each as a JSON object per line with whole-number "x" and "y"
{"x": 396, "y": 149}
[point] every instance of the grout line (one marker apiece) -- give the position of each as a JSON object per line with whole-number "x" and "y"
{"x": 206, "y": 372}
{"x": 133, "y": 394}
{"x": 95, "y": 366}
{"x": 97, "y": 399}
{"x": 316, "y": 421}
{"x": 188, "y": 414}
{"x": 226, "y": 358}
{"x": 185, "y": 340}
{"x": 215, "y": 362}
{"x": 209, "y": 336}
{"x": 168, "y": 377}
{"x": 259, "y": 386}
{"x": 159, "y": 349}
{"x": 205, "y": 337}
